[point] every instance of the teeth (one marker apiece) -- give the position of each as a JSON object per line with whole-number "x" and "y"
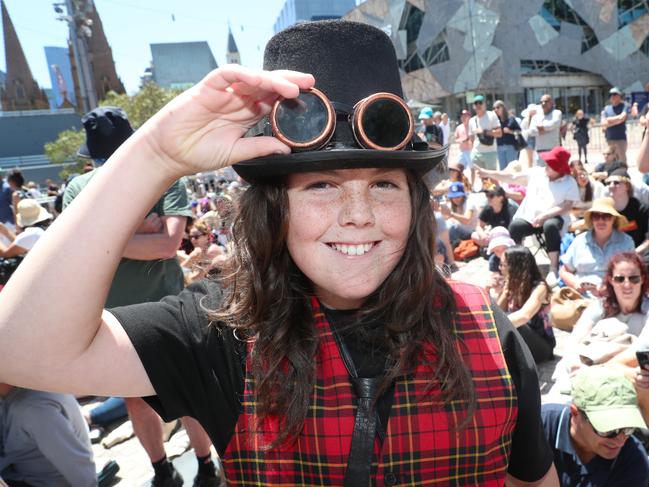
{"x": 346, "y": 249}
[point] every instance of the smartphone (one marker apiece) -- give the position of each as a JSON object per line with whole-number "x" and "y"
{"x": 643, "y": 358}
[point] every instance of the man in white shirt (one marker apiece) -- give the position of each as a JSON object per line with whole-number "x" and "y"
{"x": 485, "y": 126}
{"x": 546, "y": 125}
{"x": 551, "y": 192}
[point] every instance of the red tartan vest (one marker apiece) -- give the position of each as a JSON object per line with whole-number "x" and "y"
{"x": 419, "y": 447}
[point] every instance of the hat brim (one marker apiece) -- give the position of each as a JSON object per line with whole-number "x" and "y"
{"x": 281, "y": 165}
{"x": 43, "y": 215}
{"x": 610, "y": 418}
{"x": 621, "y": 219}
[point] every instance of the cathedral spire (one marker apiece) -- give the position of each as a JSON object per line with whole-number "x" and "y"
{"x": 21, "y": 92}
{"x": 232, "y": 55}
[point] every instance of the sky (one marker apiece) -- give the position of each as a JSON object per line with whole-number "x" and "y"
{"x": 131, "y": 25}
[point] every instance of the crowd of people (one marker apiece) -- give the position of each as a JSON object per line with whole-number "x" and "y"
{"x": 300, "y": 314}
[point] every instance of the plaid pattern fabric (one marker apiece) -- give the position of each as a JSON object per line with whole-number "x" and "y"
{"x": 420, "y": 448}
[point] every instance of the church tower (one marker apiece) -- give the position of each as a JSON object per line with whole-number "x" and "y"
{"x": 232, "y": 56}
{"x": 20, "y": 92}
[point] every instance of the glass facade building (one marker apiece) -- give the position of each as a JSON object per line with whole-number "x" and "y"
{"x": 295, "y": 11}
{"x": 574, "y": 50}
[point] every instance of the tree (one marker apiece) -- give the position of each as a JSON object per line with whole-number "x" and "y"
{"x": 139, "y": 108}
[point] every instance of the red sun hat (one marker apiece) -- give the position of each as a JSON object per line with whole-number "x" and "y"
{"x": 558, "y": 159}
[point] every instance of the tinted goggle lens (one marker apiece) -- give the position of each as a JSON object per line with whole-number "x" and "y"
{"x": 385, "y": 123}
{"x": 302, "y": 120}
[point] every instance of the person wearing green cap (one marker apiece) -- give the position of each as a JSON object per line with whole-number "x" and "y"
{"x": 591, "y": 438}
{"x": 613, "y": 122}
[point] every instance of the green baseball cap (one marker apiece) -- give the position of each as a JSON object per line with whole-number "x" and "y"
{"x": 478, "y": 98}
{"x": 607, "y": 397}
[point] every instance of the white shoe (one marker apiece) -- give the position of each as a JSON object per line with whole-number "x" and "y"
{"x": 551, "y": 279}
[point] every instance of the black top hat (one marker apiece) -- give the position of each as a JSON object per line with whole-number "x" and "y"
{"x": 349, "y": 61}
{"x": 106, "y": 129}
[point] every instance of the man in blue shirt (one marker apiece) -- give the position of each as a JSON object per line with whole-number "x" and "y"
{"x": 614, "y": 124}
{"x": 590, "y": 438}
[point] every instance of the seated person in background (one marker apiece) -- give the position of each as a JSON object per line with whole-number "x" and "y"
{"x": 497, "y": 213}
{"x": 455, "y": 174}
{"x": 461, "y": 215}
{"x": 591, "y": 437}
{"x": 205, "y": 256}
{"x": 637, "y": 215}
{"x": 444, "y": 250}
{"x": 33, "y": 219}
{"x": 499, "y": 241}
{"x": 620, "y": 311}
{"x": 586, "y": 260}
{"x": 589, "y": 190}
{"x": 43, "y": 440}
{"x": 551, "y": 192}
{"x": 525, "y": 296}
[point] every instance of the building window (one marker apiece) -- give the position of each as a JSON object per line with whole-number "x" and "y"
{"x": 411, "y": 21}
{"x": 536, "y": 66}
{"x": 629, "y": 10}
{"x": 437, "y": 52}
{"x": 20, "y": 90}
{"x": 556, "y": 11}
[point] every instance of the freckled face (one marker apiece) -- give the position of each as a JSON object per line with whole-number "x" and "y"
{"x": 347, "y": 230}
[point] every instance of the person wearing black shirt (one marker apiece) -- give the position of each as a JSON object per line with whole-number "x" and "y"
{"x": 580, "y": 126}
{"x": 498, "y": 212}
{"x": 507, "y": 142}
{"x": 268, "y": 360}
{"x": 620, "y": 189}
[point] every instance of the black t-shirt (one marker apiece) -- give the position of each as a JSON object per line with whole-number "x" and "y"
{"x": 638, "y": 216}
{"x": 501, "y": 219}
{"x": 434, "y": 133}
{"x": 508, "y": 139}
{"x": 197, "y": 369}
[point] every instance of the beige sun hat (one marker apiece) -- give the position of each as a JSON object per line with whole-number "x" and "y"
{"x": 30, "y": 212}
{"x": 605, "y": 205}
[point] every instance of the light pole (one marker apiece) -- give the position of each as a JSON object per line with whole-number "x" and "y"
{"x": 80, "y": 29}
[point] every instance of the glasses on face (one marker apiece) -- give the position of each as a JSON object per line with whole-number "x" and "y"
{"x": 477, "y": 103}
{"x": 491, "y": 196}
{"x": 609, "y": 434}
{"x": 600, "y": 216}
{"x": 612, "y": 183}
{"x": 634, "y": 279}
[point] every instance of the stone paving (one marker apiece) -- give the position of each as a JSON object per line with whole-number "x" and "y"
{"x": 135, "y": 469}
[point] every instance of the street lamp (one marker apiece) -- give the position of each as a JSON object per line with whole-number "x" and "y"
{"x": 80, "y": 30}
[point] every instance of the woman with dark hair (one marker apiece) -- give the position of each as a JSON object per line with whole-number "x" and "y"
{"x": 525, "y": 297}
{"x": 507, "y": 142}
{"x": 626, "y": 286}
{"x": 331, "y": 352}
{"x": 498, "y": 212}
{"x": 16, "y": 182}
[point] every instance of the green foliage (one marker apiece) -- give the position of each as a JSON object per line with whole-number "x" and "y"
{"x": 139, "y": 108}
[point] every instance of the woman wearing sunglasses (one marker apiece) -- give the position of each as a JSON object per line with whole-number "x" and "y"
{"x": 626, "y": 285}
{"x": 332, "y": 352}
{"x": 587, "y": 258}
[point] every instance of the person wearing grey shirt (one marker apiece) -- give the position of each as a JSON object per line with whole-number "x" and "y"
{"x": 43, "y": 440}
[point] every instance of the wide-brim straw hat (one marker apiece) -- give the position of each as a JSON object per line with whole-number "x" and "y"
{"x": 349, "y": 61}
{"x": 605, "y": 205}
{"x": 29, "y": 212}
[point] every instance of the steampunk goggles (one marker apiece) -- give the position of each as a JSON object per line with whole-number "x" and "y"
{"x": 381, "y": 121}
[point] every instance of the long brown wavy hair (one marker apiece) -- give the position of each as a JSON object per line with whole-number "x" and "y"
{"x": 611, "y": 306}
{"x": 267, "y": 300}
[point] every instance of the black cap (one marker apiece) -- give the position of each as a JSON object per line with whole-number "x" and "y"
{"x": 106, "y": 129}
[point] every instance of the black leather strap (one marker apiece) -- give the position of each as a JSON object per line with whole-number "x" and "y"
{"x": 359, "y": 462}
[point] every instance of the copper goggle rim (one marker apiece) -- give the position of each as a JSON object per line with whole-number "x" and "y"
{"x": 357, "y": 126}
{"x": 316, "y": 142}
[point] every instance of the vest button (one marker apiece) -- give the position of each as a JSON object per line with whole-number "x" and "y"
{"x": 390, "y": 479}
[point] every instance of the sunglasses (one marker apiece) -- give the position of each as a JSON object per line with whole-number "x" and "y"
{"x": 634, "y": 279}
{"x": 609, "y": 434}
{"x": 477, "y": 103}
{"x": 381, "y": 121}
{"x": 600, "y": 216}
